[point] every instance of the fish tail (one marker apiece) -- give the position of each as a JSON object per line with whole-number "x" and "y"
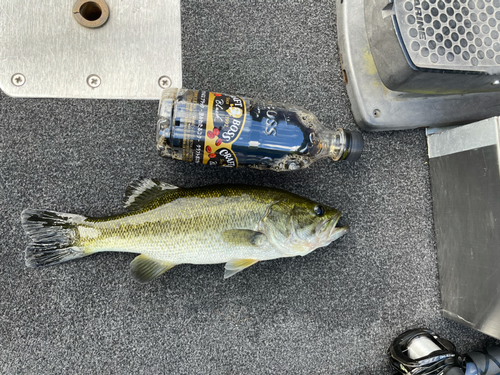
{"x": 54, "y": 237}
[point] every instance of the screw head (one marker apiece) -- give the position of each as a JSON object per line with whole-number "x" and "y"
{"x": 165, "y": 82}
{"x": 18, "y": 79}
{"x": 93, "y": 81}
{"x": 376, "y": 113}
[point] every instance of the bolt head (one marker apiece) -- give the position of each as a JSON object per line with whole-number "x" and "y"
{"x": 18, "y": 79}
{"x": 93, "y": 81}
{"x": 165, "y": 82}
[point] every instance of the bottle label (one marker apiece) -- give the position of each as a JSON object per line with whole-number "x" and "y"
{"x": 210, "y": 124}
{"x": 225, "y": 120}
{"x": 227, "y": 130}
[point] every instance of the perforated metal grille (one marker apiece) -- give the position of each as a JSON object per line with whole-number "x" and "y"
{"x": 450, "y": 34}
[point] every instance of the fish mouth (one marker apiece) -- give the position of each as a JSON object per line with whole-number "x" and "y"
{"x": 329, "y": 228}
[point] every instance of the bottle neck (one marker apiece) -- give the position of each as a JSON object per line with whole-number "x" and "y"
{"x": 335, "y": 144}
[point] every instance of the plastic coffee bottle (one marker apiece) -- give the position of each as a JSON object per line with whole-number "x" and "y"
{"x": 227, "y": 130}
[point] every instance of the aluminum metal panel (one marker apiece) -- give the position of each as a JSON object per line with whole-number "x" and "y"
{"x": 45, "y": 52}
{"x": 466, "y": 196}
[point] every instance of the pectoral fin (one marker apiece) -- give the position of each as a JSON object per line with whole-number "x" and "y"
{"x": 237, "y": 265}
{"x": 145, "y": 269}
{"x": 244, "y": 237}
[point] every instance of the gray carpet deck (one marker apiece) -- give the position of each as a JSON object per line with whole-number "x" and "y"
{"x": 332, "y": 312}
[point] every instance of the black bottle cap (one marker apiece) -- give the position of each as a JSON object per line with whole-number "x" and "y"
{"x": 354, "y": 145}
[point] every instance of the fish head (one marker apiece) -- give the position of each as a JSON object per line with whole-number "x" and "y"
{"x": 297, "y": 226}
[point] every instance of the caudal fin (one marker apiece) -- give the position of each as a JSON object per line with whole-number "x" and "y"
{"x": 54, "y": 237}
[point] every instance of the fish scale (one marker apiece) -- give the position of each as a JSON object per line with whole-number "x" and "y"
{"x": 167, "y": 225}
{"x": 161, "y": 232}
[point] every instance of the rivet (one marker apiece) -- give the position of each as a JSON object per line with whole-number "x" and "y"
{"x": 91, "y": 14}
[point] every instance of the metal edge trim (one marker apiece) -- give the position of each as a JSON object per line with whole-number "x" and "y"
{"x": 452, "y": 140}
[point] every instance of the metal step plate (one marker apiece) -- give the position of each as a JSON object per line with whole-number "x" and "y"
{"x": 48, "y": 50}
{"x": 458, "y": 35}
{"x": 465, "y": 180}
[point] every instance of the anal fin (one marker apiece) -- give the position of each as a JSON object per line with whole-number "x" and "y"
{"x": 234, "y": 266}
{"x": 144, "y": 268}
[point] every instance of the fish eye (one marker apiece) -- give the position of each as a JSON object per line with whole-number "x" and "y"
{"x": 319, "y": 210}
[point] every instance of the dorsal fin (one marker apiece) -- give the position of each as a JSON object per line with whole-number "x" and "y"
{"x": 143, "y": 191}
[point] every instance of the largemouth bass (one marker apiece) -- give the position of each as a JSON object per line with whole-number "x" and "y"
{"x": 168, "y": 225}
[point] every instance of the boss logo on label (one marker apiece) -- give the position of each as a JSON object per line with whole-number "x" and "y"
{"x": 234, "y": 118}
{"x": 232, "y": 132}
{"x": 271, "y": 122}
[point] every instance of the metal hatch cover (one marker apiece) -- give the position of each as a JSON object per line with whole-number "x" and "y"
{"x": 46, "y": 51}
